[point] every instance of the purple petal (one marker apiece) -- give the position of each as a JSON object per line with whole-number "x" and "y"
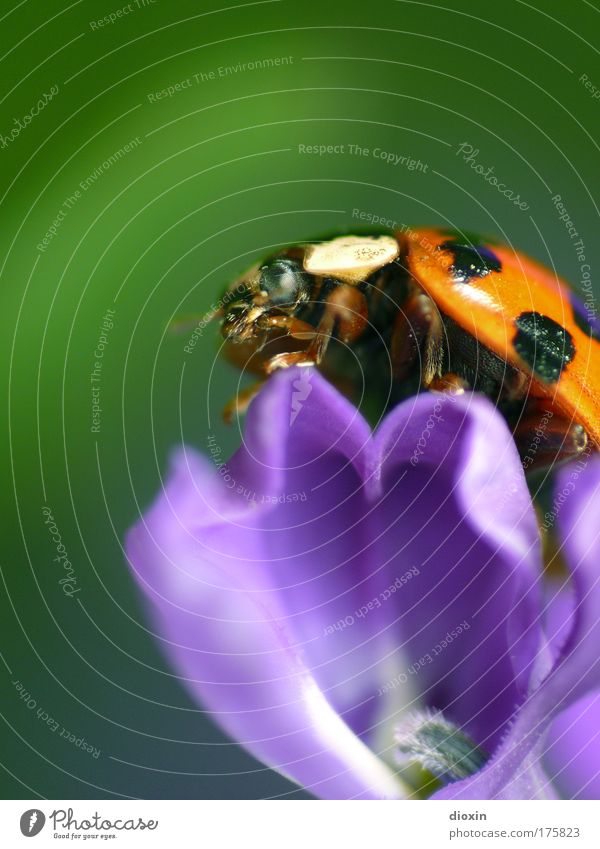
{"x": 241, "y": 586}
{"x": 516, "y": 769}
{"x": 586, "y": 313}
{"x": 455, "y": 504}
{"x": 572, "y": 756}
{"x": 270, "y": 582}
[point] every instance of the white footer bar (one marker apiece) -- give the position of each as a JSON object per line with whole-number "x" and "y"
{"x": 300, "y": 824}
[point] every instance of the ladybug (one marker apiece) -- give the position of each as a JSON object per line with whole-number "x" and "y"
{"x": 428, "y": 309}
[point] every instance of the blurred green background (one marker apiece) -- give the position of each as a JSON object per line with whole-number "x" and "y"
{"x": 212, "y": 178}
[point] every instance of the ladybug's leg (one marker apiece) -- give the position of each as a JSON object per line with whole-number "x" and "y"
{"x": 298, "y": 330}
{"x": 321, "y": 336}
{"x": 544, "y": 436}
{"x": 346, "y": 310}
{"x": 450, "y": 383}
{"x": 239, "y": 405}
{"x": 295, "y": 327}
{"x": 417, "y": 334}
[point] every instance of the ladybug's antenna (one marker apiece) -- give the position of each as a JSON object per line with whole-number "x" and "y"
{"x": 184, "y": 323}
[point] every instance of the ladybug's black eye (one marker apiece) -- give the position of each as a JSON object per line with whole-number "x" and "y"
{"x": 284, "y": 282}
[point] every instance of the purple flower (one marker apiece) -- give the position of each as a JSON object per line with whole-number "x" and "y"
{"x": 328, "y": 589}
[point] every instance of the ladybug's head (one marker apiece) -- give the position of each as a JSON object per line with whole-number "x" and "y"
{"x": 280, "y": 285}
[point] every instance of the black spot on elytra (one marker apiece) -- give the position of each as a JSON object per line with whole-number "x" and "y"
{"x": 584, "y": 320}
{"x": 544, "y": 345}
{"x": 469, "y": 261}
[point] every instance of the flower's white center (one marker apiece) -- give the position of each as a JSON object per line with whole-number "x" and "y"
{"x": 439, "y": 746}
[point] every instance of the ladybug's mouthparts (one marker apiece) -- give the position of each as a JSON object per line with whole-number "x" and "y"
{"x": 240, "y": 322}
